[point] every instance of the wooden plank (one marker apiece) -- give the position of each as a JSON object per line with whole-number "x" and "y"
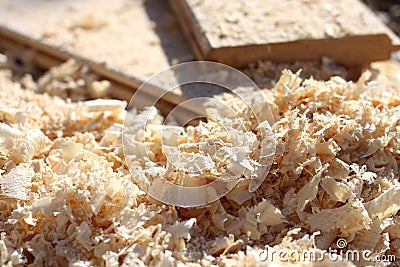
{"x": 123, "y": 41}
{"x": 240, "y": 32}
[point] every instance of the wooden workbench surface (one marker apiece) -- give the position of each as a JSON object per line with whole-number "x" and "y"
{"x": 126, "y": 41}
{"x": 239, "y": 32}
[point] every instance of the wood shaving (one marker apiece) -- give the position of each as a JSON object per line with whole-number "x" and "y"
{"x": 72, "y": 80}
{"x": 17, "y": 182}
{"x": 67, "y": 196}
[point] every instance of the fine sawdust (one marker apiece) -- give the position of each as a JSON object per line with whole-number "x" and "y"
{"x": 68, "y": 199}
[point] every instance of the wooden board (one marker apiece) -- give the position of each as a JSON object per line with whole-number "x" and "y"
{"x": 240, "y": 32}
{"x": 123, "y": 41}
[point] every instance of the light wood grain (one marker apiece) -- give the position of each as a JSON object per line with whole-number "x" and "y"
{"x": 240, "y": 32}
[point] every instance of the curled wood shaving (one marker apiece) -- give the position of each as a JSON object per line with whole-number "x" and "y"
{"x": 17, "y": 182}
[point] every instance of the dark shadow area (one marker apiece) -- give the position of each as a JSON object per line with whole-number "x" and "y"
{"x": 166, "y": 26}
{"x": 388, "y": 11}
{"x": 175, "y": 45}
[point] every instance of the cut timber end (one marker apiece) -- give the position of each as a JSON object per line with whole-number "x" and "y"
{"x": 349, "y": 51}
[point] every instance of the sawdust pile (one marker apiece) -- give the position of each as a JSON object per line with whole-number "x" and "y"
{"x": 67, "y": 198}
{"x": 71, "y": 80}
{"x": 266, "y": 73}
